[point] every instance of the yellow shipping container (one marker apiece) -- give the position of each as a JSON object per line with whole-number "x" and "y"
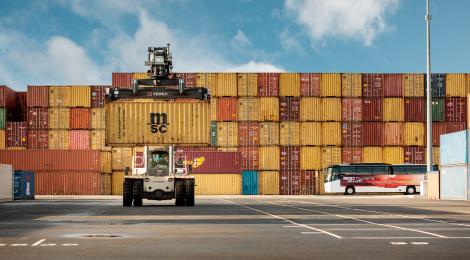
{"x": 218, "y": 184}
{"x": 98, "y": 120}
{"x": 351, "y": 85}
{"x": 157, "y": 123}
{"x": 59, "y": 140}
{"x": 456, "y": 85}
{"x": 106, "y": 184}
{"x": 393, "y": 155}
{"x": 331, "y": 133}
{"x": 331, "y": 109}
{"x": 248, "y": 109}
{"x": 269, "y": 109}
{"x": 414, "y": 134}
{"x": 247, "y": 84}
{"x": 413, "y": 85}
{"x": 97, "y": 139}
{"x": 268, "y": 183}
{"x": 372, "y": 154}
{"x": 330, "y": 85}
{"x": 59, "y": 96}
{"x": 226, "y": 85}
{"x": 213, "y": 108}
{"x": 106, "y": 162}
{"x": 80, "y": 96}
{"x": 139, "y": 75}
{"x": 311, "y": 133}
{"x": 289, "y": 85}
{"x": 59, "y": 118}
{"x": 330, "y": 156}
{"x": 227, "y": 134}
{"x": 269, "y": 133}
{"x": 207, "y": 80}
{"x": 269, "y": 158}
{"x": 310, "y": 158}
{"x": 121, "y": 158}
{"x": 2, "y": 139}
{"x": 436, "y": 155}
{"x": 117, "y": 183}
{"x": 394, "y": 110}
{"x": 289, "y": 133}
{"x": 310, "y": 109}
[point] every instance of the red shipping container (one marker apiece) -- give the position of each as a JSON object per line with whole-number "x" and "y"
{"x": 38, "y": 139}
{"x": 190, "y": 79}
{"x": 79, "y": 118}
{"x": 21, "y": 101}
{"x": 122, "y": 80}
{"x": 249, "y": 158}
{"x": 79, "y": 139}
{"x": 352, "y": 155}
{"x": 351, "y": 109}
{"x": 393, "y": 85}
{"x": 290, "y": 158}
{"x": 372, "y": 134}
{"x": 52, "y": 160}
{"x": 438, "y": 129}
{"x": 289, "y": 182}
{"x": 351, "y": 134}
{"x": 415, "y": 155}
{"x": 7, "y": 98}
{"x": 268, "y": 84}
{"x": 310, "y": 84}
{"x": 17, "y": 134}
{"x": 456, "y": 109}
{"x": 373, "y": 85}
{"x": 248, "y": 133}
{"x": 289, "y": 109}
{"x": 452, "y": 127}
{"x": 38, "y": 118}
{"x": 38, "y": 96}
{"x": 212, "y": 162}
{"x": 307, "y": 182}
{"x": 98, "y": 94}
{"x": 372, "y": 109}
{"x": 67, "y": 183}
{"x": 415, "y": 109}
{"x": 227, "y": 109}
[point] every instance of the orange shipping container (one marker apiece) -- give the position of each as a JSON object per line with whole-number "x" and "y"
{"x": 394, "y": 133}
{"x": 67, "y": 183}
{"x": 331, "y": 133}
{"x": 80, "y": 96}
{"x": 289, "y": 133}
{"x": 117, "y": 182}
{"x": 269, "y": 109}
{"x": 248, "y": 109}
{"x": 269, "y": 133}
{"x": 330, "y": 85}
{"x": 247, "y": 84}
{"x": 79, "y": 118}
{"x": 79, "y": 139}
{"x": 310, "y": 133}
{"x": 227, "y": 109}
{"x": 330, "y": 156}
{"x": 351, "y": 85}
{"x": 331, "y": 109}
{"x": 289, "y": 85}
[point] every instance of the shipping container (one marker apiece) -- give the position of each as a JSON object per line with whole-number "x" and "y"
{"x": 351, "y": 134}
{"x": 211, "y": 162}
{"x": 415, "y": 109}
{"x": 227, "y": 134}
{"x": 117, "y": 182}
{"x": 157, "y": 123}
{"x": 289, "y": 85}
{"x": 226, "y": 85}
{"x": 413, "y": 85}
{"x": 105, "y": 162}
{"x": 268, "y": 183}
{"x": 351, "y": 85}
{"x": 308, "y": 182}
{"x": 269, "y": 158}
{"x": 436, "y": 155}
{"x": 330, "y": 156}
{"x": 121, "y": 158}
{"x": 453, "y": 183}
{"x": 20, "y": 111}
{"x": 330, "y": 85}
{"x": 213, "y": 109}
{"x": 98, "y": 94}
{"x": 393, "y": 85}
{"x": 455, "y": 126}
{"x": 23, "y": 185}
{"x": 106, "y": 184}
{"x": 79, "y": 139}
{"x": 209, "y": 81}
{"x": 352, "y": 155}
{"x": 372, "y": 154}
{"x": 121, "y": 80}
{"x": 373, "y": 133}
{"x": 414, "y": 134}
{"x": 247, "y": 84}
{"x": 67, "y": 183}
{"x": 351, "y": 109}
{"x": 249, "y": 158}
{"x": 248, "y": 133}
{"x": 372, "y": 109}
{"x": 331, "y": 133}
{"x": 438, "y": 85}
{"x": 269, "y": 133}
{"x": 394, "y": 110}
{"x": 190, "y": 79}
{"x": 7, "y": 98}
{"x": 269, "y": 109}
{"x": 80, "y": 96}
{"x": 59, "y": 118}
{"x": 6, "y": 182}
{"x": 59, "y": 140}
{"x": 373, "y": 85}
{"x": 331, "y": 109}
{"x": 394, "y": 134}
{"x": 456, "y": 85}
{"x": 139, "y": 75}
{"x": 454, "y": 148}
{"x": 17, "y": 134}
{"x": 2, "y": 139}
{"x": 289, "y": 183}
{"x": 38, "y": 96}
{"x": 213, "y": 133}
{"x": 3, "y": 117}
{"x": 227, "y": 149}
{"x": 268, "y": 84}
{"x": 289, "y": 109}
{"x": 227, "y": 109}
{"x": 310, "y": 84}
{"x": 79, "y": 118}
{"x": 289, "y": 133}
{"x": 310, "y": 158}
{"x": 438, "y": 129}
{"x": 438, "y": 109}
{"x": 97, "y": 118}
{"x": 38, "y": 118}
{"x": 38, "y": 139}
{"x": 311, "y": 133}
{"x": 456, "y": 109}
{"x": 218, "y": 184}
{"x": 59, "y": 96}
{"x": 393, "y": 155}
{"x": 310, "y": 109}
{"x": 415, "y": 155}
{"x": 250, "y": 183}
{"x": 248, "y": 109}
{"x": 290, "y": 158}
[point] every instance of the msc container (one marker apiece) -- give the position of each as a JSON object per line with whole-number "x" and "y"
{"x": 190, "y": 79}
{"x": 17, "y": 134}
{"x": 331, "y": 109}
{"x": 289, "y": 109}
{"x": 438, "y": 129}
{"x": 372, "y": 154}
{"x": 157, "y": 123}
{"x": 415, "y": 155}
{"x": 311, "y": 133}
{"x": 38, "y": 139}
{"x": 268, "y": 183}
{"x": 393, "y": 155}
{"x": 247, "y": 84}
{"x": 122, "y": 80}
{"x": 2, "y": 139}
{"x": 394, "y": 109}
{"x": 331, "y": 133}
{"x": 7, "y": 98}
{"x": 98, "y": 94}
{"x": 351, "y": 109}
{"x": 394, "y": 134}
{"x": 59, "y": 96}
{"x": 269, "y": 133}
{"x": 351, "y": 134}
{"x": 289, "y": 183}
{"x": 67, "y": 183}
{"x": 372, "y": 133}
{"x": 454, "y": 148}
{"x": 23, "y": 185}
{"x": 79, "y": 118}
{"x": 106, "y": 184}
{"x": 393, "y": 85}
{"x": 438, "y": 85}
{"x": 372, "y": 109}
{"x": 310, "y": 109}
{"x": 121, "y": 158}
{"x": 269, "y": 158}
{"x": 105, "y": 162}
{"x": 453, "y": 182}
{"x": 351, "y": 85}
{"x": 218, "y": 184}
{"x": 226, "y": 85}
{"x": 59, "y": 118}
{"x": 289, "y": 85}
{"x": 248, "y": 109}
{"x": 249, "y": 182}
{"x": 352, "y": 155}
{"x": 413, "y": 85}
{"x": 456, "y": 109}
{"x": 290, "y": 158}
{"x": 248, "y": 133}
{"x": 227, "y": 134}
{"x": 269, "y": 109}
{"x": 330, "y": 85}
{"x": 373, "y": 85}
{"x": 456, "y": 85}
{"x": 211, "y": 162}
{"x": 38, "y": 118}
{"x": 310, "y": 158}
{"x": 330, "y": 156}
{"x": 414, "y": 134}
{"x": 38, "y": 96}
{"x": 289, "y": 133}
{"x": 6, "y": 182}
{"x": 97, "y": 118}
{"x": 415, "y": 110}
{"x": 249, "y": 158}
{"x": 438, "y": 109}
{"x": 80, "y": 96}
{"x": 79, "y": 139}
{"x": 117, "y": 182}
{"x": 227, "y": 109}
{"x": 268, "y": 84}
{"x": 310, "y": 84}
{"x": 209, "y": 81}
{"x": 59, "y": 139}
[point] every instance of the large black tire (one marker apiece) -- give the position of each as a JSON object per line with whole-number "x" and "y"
{"x": 127, "y": 195}
{"x": 350, "y": 190}
{"x": 410, "y": 190}
{"x": 189, "y": 192}
{"x": 180, "y": 193}
{"x": 137, "y": 192}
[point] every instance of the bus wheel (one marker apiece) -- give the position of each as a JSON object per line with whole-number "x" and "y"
{"x": 349, "y": 190}
{"x": 410, "y": 190}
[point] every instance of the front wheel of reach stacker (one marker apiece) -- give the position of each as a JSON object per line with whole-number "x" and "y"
{"x": 180, "y": 193}
{"x": 190, "y": 192}
{"x": 127, "y": 195}
{"x": 137, "y": 192}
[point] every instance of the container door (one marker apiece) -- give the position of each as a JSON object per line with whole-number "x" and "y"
{"x": 453, "y": 182}
{"x": 250, "y": 183}
{"x": 214, "y": 133}
{"x": 17, "y": 186}
{"x": 28, "y": 185}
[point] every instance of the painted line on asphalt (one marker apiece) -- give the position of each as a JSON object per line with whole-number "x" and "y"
{"x": 38, "y": 242}
{"x": 398, "y": 243}
{"x": 2, "y": 244}
{"x": 47, "y": 245}
{"x": 19, "y": 244}
{"x": 309, "y": 233}
{"x": 70, "y": 244}
{"x": 292, "y": 226}
{"x": 419, "y": 243}
{"x": 359, "y": 229}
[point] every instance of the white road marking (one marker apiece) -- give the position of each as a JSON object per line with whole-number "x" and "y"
{"x": 38, "y": 242}
{"x": 398, "y": 243}
{"x": 308, "y": 233}
{"x": 359, "y": 229}
{"x": 69, "y": 244}
{"x": 419, "y": 243}
{"x": 47, "y": 245}
{"x": 292, "y": 226}
{"x": 2, "y": 244}
{"x": 19, "y": 244}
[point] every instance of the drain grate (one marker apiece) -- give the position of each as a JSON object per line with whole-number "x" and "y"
{"x": 101, "y": 236}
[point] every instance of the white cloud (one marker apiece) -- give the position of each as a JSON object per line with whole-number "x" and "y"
{"x": 290, "y": 42}
{"x": 361, "y": 20}
{"x": 240, "y": 40}
{"x": 253, "y": 66}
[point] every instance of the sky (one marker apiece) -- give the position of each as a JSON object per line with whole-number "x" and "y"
{"x": 82, "y": 42}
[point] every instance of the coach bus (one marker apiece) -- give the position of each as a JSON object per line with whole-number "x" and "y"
{"x": 374, "y": 177}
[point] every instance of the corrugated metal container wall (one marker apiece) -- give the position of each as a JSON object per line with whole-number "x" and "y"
{"x": 268, "y": 183}
{"x": 121, "y": 158}
{"x": 117, "y": 183}
{"x": 59, "y": 96}
{"x": 59, "y": 139}
{"x": 373, "y": 133}
{"x": 67, "y": 183}
{"x": 38, "y": 118}
{"x": 352, "y": 155}
{"x": 372, "y": 109}
{"x": 373, "y": 85}
{"x": 310, "y": 109}
{"x": 122, "y": 80}
{"x": 436, "y": 155}
{"x": 372, "y": 154}
{"x": 308, "y": 183}
{"x": 249, "y": 158}
{"x": 351, "y": 109}
{"x": 455, "y": 126}
{"x": 456, "y": 85}
{"x": 190, "y": 79}
{"x": 438, "y": 129}
{"x": 248, "y": 109}
{"x": 393, "y": 85}
{"x": 453, "y": 182}
{"x": 105, "y": 162}
{"x": 394, "y": 133}
{"x": 289, "y": 109}
{"x": 438, "y": 85}
{"x": 38, "y": 139}
{"x": 218, "y": 184}
{"x": 268, "y": 84}
{"x": 97, "y": 118}
{"x": 393, "y": 155}
{"x": 330, "y": 156}
{"x": 6, "y": 183}
{"x": 330, "y": 85}
{"x": 80, "y": 96}
{"x": 456, "y": 109}
{"x": 290, "y": 158}
{"x": 3, "y": 117}
{"x": 21, "y": 108}
{"x": 17, "y": 134}
{"x": 438, "y": 109}
{"x": 414, "y": 134}
{"x": 289, "y": 183}
{"x": 79, "y": 139}
{"x": 351, "y": 134}
{"x": 207, "y": 80}
{"x": 212, "y": 162}
{"x": 454, "y": 148}
{"x": 351, "y": 85}
{"x": 415, "y": 155}
{"x": 269, "y": 158}
{"x": 415, "y": 110}
{"x": 247, "y": 84}
{"x": 248, "y": 133}
{"x": 394, "y": 109}
{"x": 311, "y": 133}
{"x": 289, "y": 133}
{"x": 269, "y": 133}
{"x": 226, "y": 85}
{"x": 128, "y": 123}
{"x": 269, "y": 109}
{"x": 106, "y": 184}
{"x": 310, "y": 84}
{"x": 38, "y": 96}
{"x": 413, "y": 85}
{"x": 213, "y": 109}
{"x": 227, "y": 109}
{"x": 331, "y": 133}
{"x": 227, "y": 134}
{"x": 289, "y": 85}
{"x": 79, "y": 118}
{"x": 331, "y": 109}
{"x": 250, "y": 183}
{"x": 213, "y": 133}
{"x": 59, "y": 118}
{"x": 310, "y": 158}
{"x": 2, "y": 139}
{"x": 98, "y": 96}
{"x": 7, "y": 98}
{"x": 139, "y": 75}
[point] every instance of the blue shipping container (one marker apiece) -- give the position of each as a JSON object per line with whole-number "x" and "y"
{"x": 23, "y": 185}
{"x": 454, "y": 148}
{"x": 438, "y": 84}
{"x": 249, "y": 182}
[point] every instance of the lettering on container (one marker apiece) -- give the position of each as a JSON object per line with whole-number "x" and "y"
{"x": 158, "y": 122}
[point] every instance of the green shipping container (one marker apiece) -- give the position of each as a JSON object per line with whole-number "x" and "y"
{"x": 438, "y": 109}
{"x": 3, "y": 117}
{"x": 214, "y": 133}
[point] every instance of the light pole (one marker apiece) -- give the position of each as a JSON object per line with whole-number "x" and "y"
{"x": 428, "y": 91}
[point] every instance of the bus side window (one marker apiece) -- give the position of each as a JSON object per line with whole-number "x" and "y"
{"x": 390, "y": 170}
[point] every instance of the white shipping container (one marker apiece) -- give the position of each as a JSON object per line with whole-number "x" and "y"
{"x": 454, "y": 182}
{"x": 6, "y": 182}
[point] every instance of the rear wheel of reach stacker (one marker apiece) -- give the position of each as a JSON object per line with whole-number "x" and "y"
{"x": 137, "y": 193}
{"x": 189, "y": 192}
{"x": 127, "y": 195}
{"x": 180, "y": 193}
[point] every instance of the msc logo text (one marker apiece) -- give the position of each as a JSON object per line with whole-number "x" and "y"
{"x": 158, "y": 122}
